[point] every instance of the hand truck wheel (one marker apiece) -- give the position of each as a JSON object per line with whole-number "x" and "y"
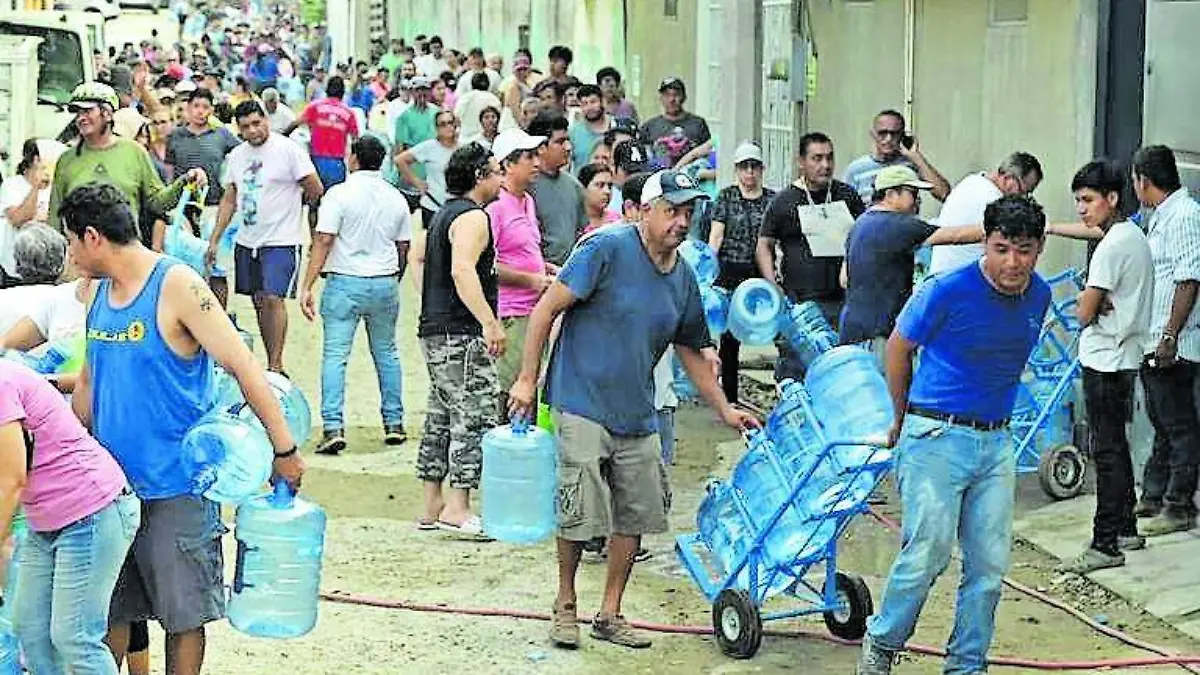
{"x": 1062, "y": 471}
{"x": 737, "y": 624}
{"x": 849, "y": 619}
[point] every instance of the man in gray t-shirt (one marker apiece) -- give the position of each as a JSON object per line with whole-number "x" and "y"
{"x": 657, "y": 133}
{"x": 557, "y": 195}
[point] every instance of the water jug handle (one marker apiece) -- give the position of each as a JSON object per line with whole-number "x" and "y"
{"x": 519, "y": 424}
{"x": 283, "y": 495}
{"x": 239, "y": 568}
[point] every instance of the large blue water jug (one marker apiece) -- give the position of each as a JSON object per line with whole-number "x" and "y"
{"x": 724, "y": 528}
{"x": 52, "y": 360}
{"x": 716, "y": 309}
{"x": 186, "y": 247}
{"x": 807, "y": 330}
{"x": 760, "y": 478}
{"x": 228, "y": 459}
{"x": 850, "y": 399}
{"x": 754, "y": 312}
{"x": 798, "y": 438}
{"x": 277, "y": 581}
{"x": 702, "y": 260}
{"x": 520, "y": 476}
{"x": 294, "y": 404}
{"x": 685, "y": 389}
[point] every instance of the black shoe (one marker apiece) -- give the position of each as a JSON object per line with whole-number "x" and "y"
{"x": 1148, "y": 508}
{"x": 393, "y": 434}
{"x": 333, "y": 441}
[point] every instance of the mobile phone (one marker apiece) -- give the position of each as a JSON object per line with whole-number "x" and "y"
{"x": 907, "y": 140}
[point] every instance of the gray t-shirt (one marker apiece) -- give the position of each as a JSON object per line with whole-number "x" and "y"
{"x": 206, "y": 150}
{"x": 560, "y": 211}
{"x": 434, "y": 157}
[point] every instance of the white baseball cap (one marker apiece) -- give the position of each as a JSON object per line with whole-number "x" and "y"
{"x": 748, "y": 151}
{"x": 513, "y": 140}
{"x": 674, "y": 186}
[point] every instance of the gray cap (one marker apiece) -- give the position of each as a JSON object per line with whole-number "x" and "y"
{"x": 270, "y": 94}
{"x": 748, "y": 151}
{"x": 120, "y": 76}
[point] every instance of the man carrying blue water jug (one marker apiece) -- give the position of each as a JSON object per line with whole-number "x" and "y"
{"x": 610, "y": 481}
{"x": 154, "y": 329}
{"x": 975, "y": 326}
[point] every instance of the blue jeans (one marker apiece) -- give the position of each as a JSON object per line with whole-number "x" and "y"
{"x": 955, "y": 482}
{"x": 345, "y": 301}
{"x": 66, "y": 581}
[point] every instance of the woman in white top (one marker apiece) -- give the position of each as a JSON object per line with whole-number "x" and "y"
{"x": 24, "y": 200}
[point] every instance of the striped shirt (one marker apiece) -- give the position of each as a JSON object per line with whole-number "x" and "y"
{"x": 1174, "y": 237}
{"x": 205, "y": 150}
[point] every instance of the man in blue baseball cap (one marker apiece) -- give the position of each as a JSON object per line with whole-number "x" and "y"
{"x": 611, "y": 482}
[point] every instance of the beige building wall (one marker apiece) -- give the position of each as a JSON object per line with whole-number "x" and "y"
{"x": 982, "y": 86}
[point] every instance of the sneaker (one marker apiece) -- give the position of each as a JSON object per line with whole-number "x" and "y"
{"x": 1167, "y": 522}
{"x": 616, "y": 629}
{"x": 393, "y": 434}
{"x": 1131, "y": 542}
{"x": 564, "y": 629}
{"x": 1148, "y": 508}
{"x": 1091, "y": 560}
{"x": 333, "y": 441}
{"x": 874, "y": 660}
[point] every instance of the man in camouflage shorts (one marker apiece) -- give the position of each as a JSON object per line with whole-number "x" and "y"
{"x": 460, "y": 336}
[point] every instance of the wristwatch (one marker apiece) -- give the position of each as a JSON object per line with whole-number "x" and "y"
{"x": 1168, "y": 337}
{"x": 289, "y": 453}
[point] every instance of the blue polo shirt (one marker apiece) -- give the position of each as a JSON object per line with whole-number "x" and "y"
{"x": 975, "y": 342}
{"x": 626, "y": 313}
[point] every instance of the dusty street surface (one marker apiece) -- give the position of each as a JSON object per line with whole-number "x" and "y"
{"x": 373, "y": 549}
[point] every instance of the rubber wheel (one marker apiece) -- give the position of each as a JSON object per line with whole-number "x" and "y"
{"x": 849, "y": 620}
{"x": 737, "y": 624}
{"x": 1062, "y": 471}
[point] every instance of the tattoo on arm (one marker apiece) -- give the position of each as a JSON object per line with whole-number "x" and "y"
{"x": 203, "y": 296}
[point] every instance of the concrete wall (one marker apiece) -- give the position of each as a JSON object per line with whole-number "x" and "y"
{"x": 660, "y": 46}
{"x": 980, "y": 91}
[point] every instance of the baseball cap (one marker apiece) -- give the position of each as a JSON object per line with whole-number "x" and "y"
{"x": 674, "y": 186}
{"x": 185, "y": 87}
{"x": 672, "y": 83}
{"x": 899, "y": 176}
{"x": 748, "y": 151}
{"x": 120, "y": 77}
{"x": 512, "y": 140}
{"x": 625, "y": 125}
{"x": 629, "y": 158}
{"x": 419, "y": 82}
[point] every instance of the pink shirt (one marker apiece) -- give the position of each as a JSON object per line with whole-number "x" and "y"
{"x": 331, "y": 123}
{"x": 72, "y": 475}
{"x": 519, "y": 246}
{"x": 610, "y": 217}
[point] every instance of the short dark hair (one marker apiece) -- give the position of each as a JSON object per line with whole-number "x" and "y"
{"x": 590, "y": 171}
{"x": 608, "y": 71}
{"x": 1156, "y": 163}
{"x": 465, "y": 168}
{"x": 889, "y": 112}
{"x": 561, "y": 52}
{"x": 101, "y": 207}
{"x": 489, "y": 109}
{"x": 525, "y": 52}
{"x": 477, "y": 52}
{"x": 370, "y": 152}
{"x": 1102, "y": 175}
{"x": 810, "y": 138}
{"x": 201, "y": 92}
{"x": 558, "y": 89}
{"x": 248, "y": 108}
{"x": 437, "y": 39}
{"x": 1022, "y": 165}
{"x": 547, "y": 122}
{"x": 335, "y": 87}
{"x": 481, "y": 82}
{"x": 1015, "y": 217}
{"x": 632, "y": 189}
{"x": 588, "y": 90}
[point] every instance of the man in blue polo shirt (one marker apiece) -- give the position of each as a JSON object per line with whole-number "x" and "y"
{"x": 610, "y": 478}
{"x": 975, "y": 326}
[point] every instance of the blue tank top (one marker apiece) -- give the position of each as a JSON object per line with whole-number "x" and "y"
{"x": 145, "y": 397}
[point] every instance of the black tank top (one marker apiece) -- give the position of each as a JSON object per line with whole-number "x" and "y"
{"x": 442, "y": 311}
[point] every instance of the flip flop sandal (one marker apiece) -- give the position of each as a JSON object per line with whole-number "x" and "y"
{"x": 471, "y": 529}
{"x": 427, "y": 525}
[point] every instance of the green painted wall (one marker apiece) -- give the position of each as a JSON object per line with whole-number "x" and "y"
{"x": 659, "y": 46}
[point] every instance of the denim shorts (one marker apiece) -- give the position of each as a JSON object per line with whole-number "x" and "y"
{"x": 175, "y": 569}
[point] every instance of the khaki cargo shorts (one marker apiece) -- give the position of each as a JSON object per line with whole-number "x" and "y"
{"x": 608, "y": 484}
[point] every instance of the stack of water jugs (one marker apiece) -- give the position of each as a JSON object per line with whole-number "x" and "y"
{"x": 847, "y": 396}
{"x": 703, "y": 261}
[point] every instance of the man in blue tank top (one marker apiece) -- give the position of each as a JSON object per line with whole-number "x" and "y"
{"x": 975, "y": 327}
{"x": 622, "y": 282}
{"x": 153, "y": 330}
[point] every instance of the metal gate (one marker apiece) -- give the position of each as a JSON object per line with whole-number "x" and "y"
{"x": 778, "y": 109}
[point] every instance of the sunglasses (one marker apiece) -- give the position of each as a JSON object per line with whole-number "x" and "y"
{"x": 75, "y": 109}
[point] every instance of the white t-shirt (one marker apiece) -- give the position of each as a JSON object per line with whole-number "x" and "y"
{"x": 1122, "y": 266}
{"x": 13, "y": 191}
{"x": 963, "y": 206}
{"x": 269, "y": 195}
{"x": 18, "y": 302}
{"x": 281, "y": 118}
{"x": 429, "y": 66}
{"x": 664, "y": 382}
{"x": 395, "y": 108}
{"x": 368, "y": 216}
{"x": 468, "y": 109}
{"x": 464, "y": 81}
{"x": 435, "y": 157}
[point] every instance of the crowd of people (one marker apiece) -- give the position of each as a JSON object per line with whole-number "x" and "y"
{"x": 535, "y": 213}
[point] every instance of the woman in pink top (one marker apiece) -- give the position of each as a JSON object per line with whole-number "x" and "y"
{"x": 597, "y": 181}
{"x": 81, "y": 516}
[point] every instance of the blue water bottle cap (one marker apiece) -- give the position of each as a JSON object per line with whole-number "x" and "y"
{"x": 519, "y": 425}
{"x": 283, "y": 496}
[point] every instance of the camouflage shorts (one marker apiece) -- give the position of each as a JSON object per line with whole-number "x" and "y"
{"x": 463, "y": 396}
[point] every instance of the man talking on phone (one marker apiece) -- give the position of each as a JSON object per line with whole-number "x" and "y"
{"x": 893, "y": 145}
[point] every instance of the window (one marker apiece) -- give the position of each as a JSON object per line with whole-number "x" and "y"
{"x": 1007, "y": 12}
{"x": 671, "y": 9}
